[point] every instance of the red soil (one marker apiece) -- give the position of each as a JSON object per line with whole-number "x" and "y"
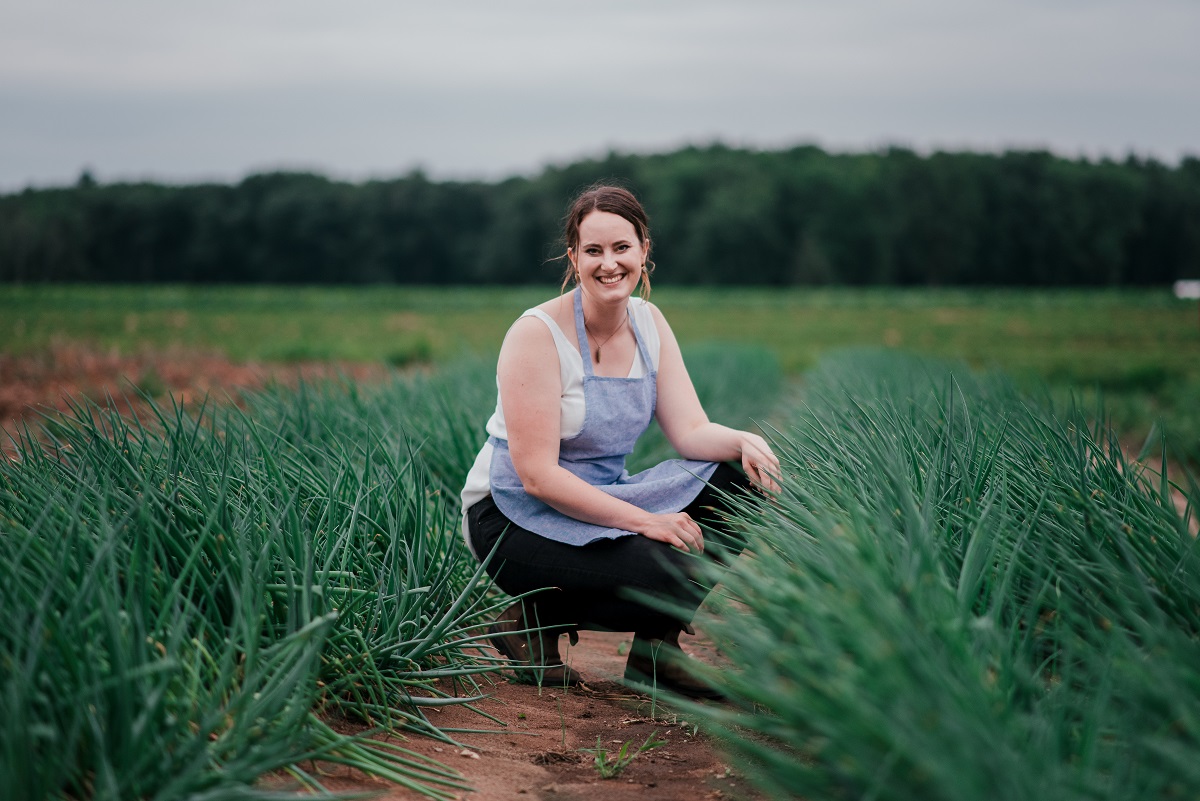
{"x": 46, "y": 382}
{"x": 538, "y": 755}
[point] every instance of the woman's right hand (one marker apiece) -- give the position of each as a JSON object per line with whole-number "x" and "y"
{"x": 676, "y": 529}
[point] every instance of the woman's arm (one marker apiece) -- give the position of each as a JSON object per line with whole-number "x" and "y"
{"x": 688, "y": 428}
{"x": 530, "y": 395}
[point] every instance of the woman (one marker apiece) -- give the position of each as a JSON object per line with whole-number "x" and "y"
{"x": 579, "y": 379}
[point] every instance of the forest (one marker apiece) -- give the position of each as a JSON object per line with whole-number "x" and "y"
{"x": 719, "y": 215}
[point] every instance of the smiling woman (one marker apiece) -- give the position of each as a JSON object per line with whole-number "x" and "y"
{"x": 608, "y": 229}
{"x": 549, "y": 500}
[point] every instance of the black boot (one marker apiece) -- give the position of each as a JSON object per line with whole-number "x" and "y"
{"x": 656, "y": 662}
{"x": 534, "y": 653}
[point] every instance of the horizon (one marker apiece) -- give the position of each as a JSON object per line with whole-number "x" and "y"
{"x": 331, "y": 176}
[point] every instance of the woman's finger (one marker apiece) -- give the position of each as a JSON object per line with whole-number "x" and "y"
{"x": 694, "y": 534}
{"x": 764, "y": 475}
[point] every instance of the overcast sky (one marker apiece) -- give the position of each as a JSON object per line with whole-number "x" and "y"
{"x": 373, "y": 88}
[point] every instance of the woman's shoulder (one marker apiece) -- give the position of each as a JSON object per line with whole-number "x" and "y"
{"x": 527, "y": 332}
{"x": 559, "y": 309}
{"x": 541, "y": 328}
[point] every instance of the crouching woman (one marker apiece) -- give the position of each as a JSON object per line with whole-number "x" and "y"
{"x": 579, "y": 379}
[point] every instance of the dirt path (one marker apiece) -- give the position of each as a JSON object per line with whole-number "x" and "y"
{"x": 538, "y": 755}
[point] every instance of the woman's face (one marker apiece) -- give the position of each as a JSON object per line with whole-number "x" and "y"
{"x": 610, "y": 256}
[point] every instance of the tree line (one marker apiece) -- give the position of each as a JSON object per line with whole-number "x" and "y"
{"x": 719, "y": 215}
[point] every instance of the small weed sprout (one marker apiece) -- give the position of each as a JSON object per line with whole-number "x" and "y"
{"x": 610, "y": 768}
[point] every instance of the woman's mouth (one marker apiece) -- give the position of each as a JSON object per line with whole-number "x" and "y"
{"x": 610, "y": 279}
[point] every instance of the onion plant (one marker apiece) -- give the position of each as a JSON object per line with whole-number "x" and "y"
{"x": 960, "y": 594}
{"x": 188, "y": 601}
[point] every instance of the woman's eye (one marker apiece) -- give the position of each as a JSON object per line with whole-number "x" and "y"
{"x": 622, "y": 248}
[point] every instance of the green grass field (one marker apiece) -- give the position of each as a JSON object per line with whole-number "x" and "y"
{"x": 1080, "y": 335}
{"x": 1140, "y": 348}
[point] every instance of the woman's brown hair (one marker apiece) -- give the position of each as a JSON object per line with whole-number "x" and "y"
{"x": 614, "y": 200}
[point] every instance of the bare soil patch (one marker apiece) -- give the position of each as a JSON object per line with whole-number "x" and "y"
{"x": 48, "y": 382}
{"x": 539, "y": 752}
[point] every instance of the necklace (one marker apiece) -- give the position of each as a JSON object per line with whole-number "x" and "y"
{"x": 620, "y": 325}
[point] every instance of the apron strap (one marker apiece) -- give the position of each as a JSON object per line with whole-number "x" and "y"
{"x": 585, "y": 349}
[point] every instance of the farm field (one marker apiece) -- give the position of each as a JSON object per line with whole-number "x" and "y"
{"x": 964, "y": 590}
{"x": 1140, "y": 349}
{"x": 1113, "y": 337}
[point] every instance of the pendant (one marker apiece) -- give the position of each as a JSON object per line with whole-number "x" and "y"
{"x": 598, "y": 354}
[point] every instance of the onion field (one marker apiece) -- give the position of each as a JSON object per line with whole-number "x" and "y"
{"x": 968, "y": 588}
{"x": 961, "y": 594}
{"x": 191, "y": 597}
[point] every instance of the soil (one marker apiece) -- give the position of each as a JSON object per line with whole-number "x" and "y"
{"x": 539, "y": 751}
{"x": 47, "y": 382}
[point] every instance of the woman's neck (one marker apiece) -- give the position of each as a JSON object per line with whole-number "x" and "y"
{"x": 603, "y": 318}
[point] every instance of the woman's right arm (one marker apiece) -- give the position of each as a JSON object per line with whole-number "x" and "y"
{"x": 530, "y": 395}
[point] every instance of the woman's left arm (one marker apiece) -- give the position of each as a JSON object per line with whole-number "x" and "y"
{"x": 687, "y": 426}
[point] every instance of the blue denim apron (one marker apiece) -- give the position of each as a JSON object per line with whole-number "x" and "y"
{"x": 616, "y": 412}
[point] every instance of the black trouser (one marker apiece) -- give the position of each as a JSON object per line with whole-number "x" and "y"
{"x": 597, "y": 586}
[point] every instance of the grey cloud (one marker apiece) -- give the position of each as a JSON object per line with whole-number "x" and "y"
{"x": 473, "y": 88}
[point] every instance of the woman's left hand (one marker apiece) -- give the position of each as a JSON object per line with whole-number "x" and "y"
{"x": 760, "y": 462}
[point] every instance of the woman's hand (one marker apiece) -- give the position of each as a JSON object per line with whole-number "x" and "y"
{"x": 677, "y": 529}
{"x": 759, "y": 462}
